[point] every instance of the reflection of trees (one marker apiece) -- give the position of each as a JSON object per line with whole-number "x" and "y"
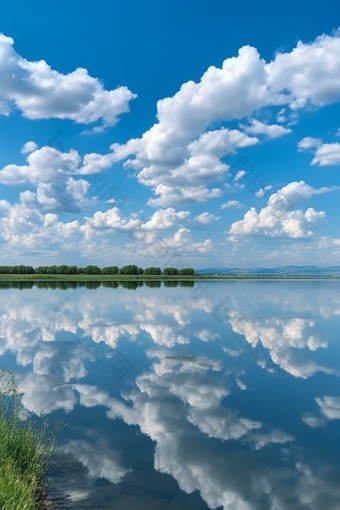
{"x": 131, "y": 285}
{"x": 153, "y": 284}
{"x": 64, "y": 284}
{"x": 110, "y": 285}
{"x": 92, "y": 285}
{"x": 170, "y": 283}
{"x": 16, "y": 285}
{"x": 181, "y": 283}
{"x": 188, "y": 283}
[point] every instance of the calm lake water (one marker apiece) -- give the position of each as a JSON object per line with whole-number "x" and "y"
{"x": 221, "y": 395}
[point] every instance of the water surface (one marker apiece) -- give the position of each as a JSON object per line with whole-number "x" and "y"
{"x": 193, "y": 396}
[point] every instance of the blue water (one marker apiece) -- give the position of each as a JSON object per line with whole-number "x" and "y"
{"x": 222, "y": 395}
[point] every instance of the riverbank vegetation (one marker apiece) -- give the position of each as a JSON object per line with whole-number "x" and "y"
{"x": 26, "y": 448}
{"x": 130, "y": 272}
{"x": 130, "y": 269}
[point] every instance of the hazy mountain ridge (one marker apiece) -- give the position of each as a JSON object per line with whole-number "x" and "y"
{"x": 280, "y": 270}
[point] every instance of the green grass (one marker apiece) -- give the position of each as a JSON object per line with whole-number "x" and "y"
{"x": 26, "y": 448}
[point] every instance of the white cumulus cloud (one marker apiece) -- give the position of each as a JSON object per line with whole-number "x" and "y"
{"x": 259, "y": 128}
{"x": 277, "y": 219}
{"x": 41, "y": 92}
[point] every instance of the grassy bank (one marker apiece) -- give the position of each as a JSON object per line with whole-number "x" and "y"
{"x": 25, "y": 451}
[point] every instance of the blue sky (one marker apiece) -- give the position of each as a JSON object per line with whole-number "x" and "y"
{"x": 170, "y": 105}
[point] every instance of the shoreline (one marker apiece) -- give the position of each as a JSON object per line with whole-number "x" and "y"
{"x": 118, "y": 278}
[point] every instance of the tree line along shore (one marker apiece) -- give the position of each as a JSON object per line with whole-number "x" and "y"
{"x": 130, "y": 269}
{"x": 131, "y": 272}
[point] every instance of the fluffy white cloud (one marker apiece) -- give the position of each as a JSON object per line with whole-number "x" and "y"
{"x": 28, "y": 147}
{"x": 144, "y": 234}
{"x": 284, "y": 339}
{"x": 309, "y": 73}
{"x": 170, "y": 251}
{"x": 276, "y": 219}
{"x": 179, "y": 157}
{"x": 52, "y": 173}
{"x": 186, "y": 181}
{"x": 231, "y": 204}
{"x": 326, "y": 154}
{"x": 99, "y": 459}
{"x": 276, "y": 436}
{"x": 308, "y": 143}
{"x": 24, "y": 227}
{"x": 36, "y": 388}
{"x": 329, "y": 409}
{"x": 182, "y": 241}
{"x": 206, "y": 218}
{"x": 176, "y": 157}
{"x": 164, "y": 219}
{"x": 164, "y": 335}
{"x": 222, "y": 423}
{"x": 43, "y": 165}
{"x": 179, "y": 195}
{"x": 4, "y": 206}
{"x": 259, "y": 128}
{"x": 328, "y": 242}
{"x": 223, "y": 477}
{"x": 313, "y": 421}
{"x": 221, "y": 142}
{"x": 112, "y": 219}
{"x": 41, "y": 92}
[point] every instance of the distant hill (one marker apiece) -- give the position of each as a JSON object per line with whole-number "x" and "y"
{"x": 281, "y": 270}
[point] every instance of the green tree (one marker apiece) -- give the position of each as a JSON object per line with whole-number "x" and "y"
{"x": 129, "y": 269}
{"x": 187, "y": 271}
{"x": 153, "y": 270}
{"x": 171, "y": 271}
{"x": 92, "y": 270}
{"x": 71, "y": 270}
{"x": 110, "y": 270}
{"x": 41, "y": 270}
